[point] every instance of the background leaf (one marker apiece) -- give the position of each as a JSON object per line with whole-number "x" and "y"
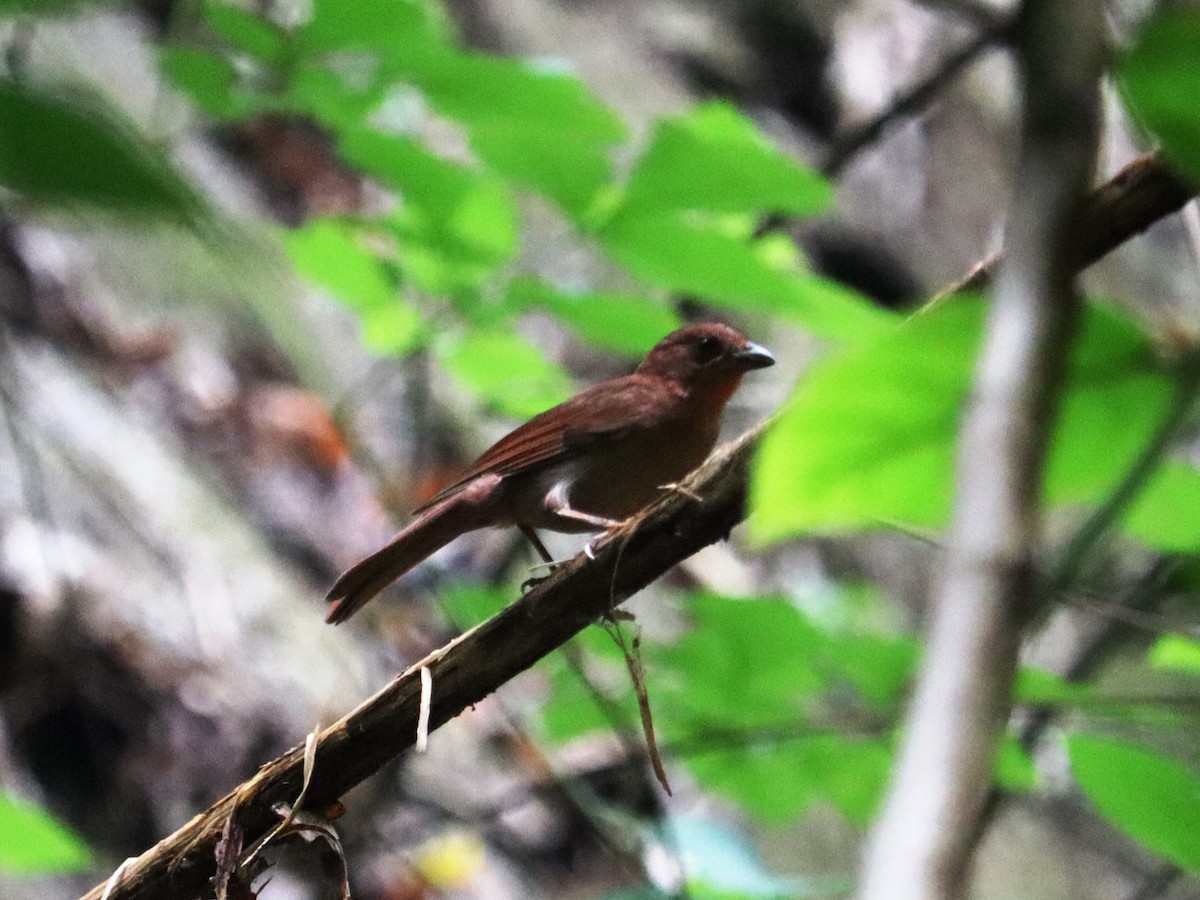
{"x": 506, "y": 372}
{"x": 1153, "y": 799}
{"x": 98, "y": 158}
{"x": 1161, "y": 87}
{"x": 32, "y": 842}
{"x": 712, "y": 158}
{"x": 625, "y": 323}
{"x": 330, "y": 253}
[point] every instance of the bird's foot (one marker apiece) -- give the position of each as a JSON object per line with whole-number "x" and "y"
{"x": 530, "y": 583}
{"x": 675, "y": 487}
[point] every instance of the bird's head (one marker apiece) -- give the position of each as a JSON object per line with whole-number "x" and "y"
{"x": 708, "y": 356}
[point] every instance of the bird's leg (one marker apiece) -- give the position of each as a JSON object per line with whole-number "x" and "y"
{"x": 533, "y": 538}
{"x": 547, "y": 560}
{"x": 557, "y": 503}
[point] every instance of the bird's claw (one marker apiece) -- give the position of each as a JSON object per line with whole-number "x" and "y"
{"x": 676, "y": 487}
{"x": 530, "y": 583}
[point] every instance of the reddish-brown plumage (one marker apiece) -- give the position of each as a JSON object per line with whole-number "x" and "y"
{"x": 584, "y": 465}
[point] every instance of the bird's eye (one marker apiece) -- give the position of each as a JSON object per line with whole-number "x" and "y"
{"x": 706, "y": 349}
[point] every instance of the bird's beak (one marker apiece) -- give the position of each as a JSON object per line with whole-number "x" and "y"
{"x": 752, "y": 356}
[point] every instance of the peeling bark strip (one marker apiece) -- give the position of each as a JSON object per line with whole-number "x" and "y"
{"x": 180, "y": 866}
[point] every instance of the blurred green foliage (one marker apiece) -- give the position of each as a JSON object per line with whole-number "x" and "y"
{"x": 1153, "y": 798}
{"x": 32, "y": 842}
{"x": 384, "y": 77}
{"x": 1158, "y": 79}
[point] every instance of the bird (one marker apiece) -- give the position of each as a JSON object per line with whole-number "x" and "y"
{"x": 582, "y": 466}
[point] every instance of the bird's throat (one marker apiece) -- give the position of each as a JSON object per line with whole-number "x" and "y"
{"x": 714, "y": 393}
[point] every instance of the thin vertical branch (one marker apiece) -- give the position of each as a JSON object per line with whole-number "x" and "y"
{"x": 921, "y": 846}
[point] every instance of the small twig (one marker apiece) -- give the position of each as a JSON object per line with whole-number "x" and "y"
{"x": 912, "y": 101}
{"x": 631, "y": 652}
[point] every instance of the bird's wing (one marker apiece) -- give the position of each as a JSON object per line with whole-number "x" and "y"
{"x": 601, "y": 414}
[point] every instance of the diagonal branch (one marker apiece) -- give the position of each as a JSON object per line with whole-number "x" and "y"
{"x": 477, "y": 663}
{"x": 464, "y": 672}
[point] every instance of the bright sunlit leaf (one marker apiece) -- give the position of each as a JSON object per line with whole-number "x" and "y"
{"x": 1178, "y": 652}
{"x": 332, "y": 255}
{"x": 506, "y": 372}
{"x": 712, "y": 158}
{"x": 1167, "y": 514}
{"x": 32, "y": 842}
{"x": 868, "y": 439}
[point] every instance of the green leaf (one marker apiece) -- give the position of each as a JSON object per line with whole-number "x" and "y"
{"x": 1174, "y": 651}
{"x": 1039, "y": 687}
{"x": 1153, "y": 799}
{"x": 209, "y": 81}
{"x": 491, "y": 91}
{"x": 467, "y": 605}
{"x": 330, "y": 253}
{"x": 698, "y": 258}
{"x": 778, "y": 783}
{"x": 878, "y": 668}
{"x": 1015, "y": 770}
{"x": 32, "y": 842}
{"x": 61, "y": 149}
{"x": 622, "y": 322}
{"x": 434, "y": 183}
{"x": 1162, "y": 86}
{"x": 1167, "y": 514}
{"x": 744, "y": 664}
{"x": 539, "y": 128}
{"x": 868, "y": 438}
{"x": 712, "y": 158}
{"x": 572, "y": 711}
{"x": 327, "y": 96}
{"x": 40, "y": 8}
{"x": 346, "y": 25}
{"x": 246, "y": 31}
{"x": 505, "y": 372}
{"x": 567, "y": 169}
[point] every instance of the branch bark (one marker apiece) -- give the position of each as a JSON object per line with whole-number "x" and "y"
{"x": 180, "y": 866}
{"x": 921, "y": 846}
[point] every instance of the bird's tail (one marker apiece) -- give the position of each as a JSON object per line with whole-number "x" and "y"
{"x": 429, "y": 532}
